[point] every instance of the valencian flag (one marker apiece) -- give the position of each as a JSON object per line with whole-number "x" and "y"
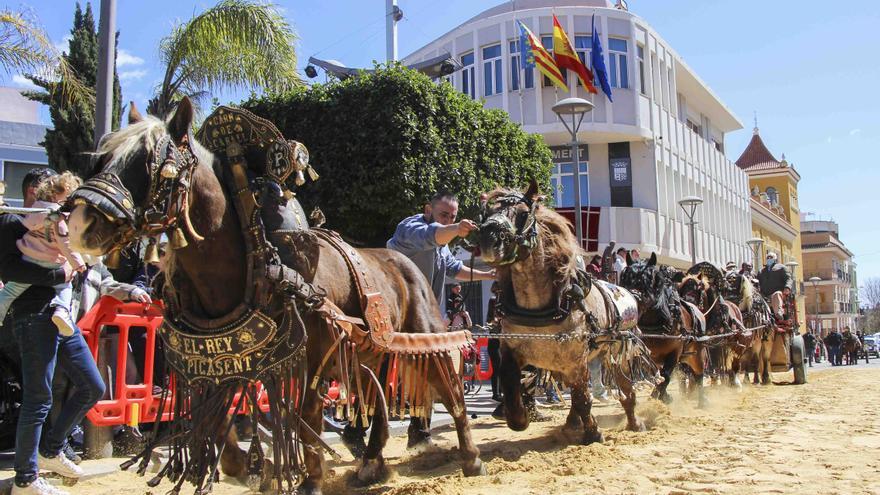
{"x": 566, "y": 57}
{"x": 598, "y": 62}
{"x": 533, "y": 54}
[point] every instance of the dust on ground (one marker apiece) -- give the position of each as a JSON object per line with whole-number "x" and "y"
{"x": 823, "y": 437}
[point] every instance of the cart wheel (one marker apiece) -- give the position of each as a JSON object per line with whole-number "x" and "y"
{"x": 797, "y": 360}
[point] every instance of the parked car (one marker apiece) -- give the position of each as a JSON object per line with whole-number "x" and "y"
{"x": 872, "y": 345}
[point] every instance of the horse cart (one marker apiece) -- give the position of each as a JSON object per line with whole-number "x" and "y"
{"x": 789, "y": 353}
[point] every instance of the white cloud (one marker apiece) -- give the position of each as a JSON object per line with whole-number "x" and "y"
{"x": 132, "y": 75}
{"x": 123, "y": 58}
{"x": 828, "y": 139}
{"x": 24, "y": 83}
{"x": 64, "y": 45}
{"x": 855, "y": 132}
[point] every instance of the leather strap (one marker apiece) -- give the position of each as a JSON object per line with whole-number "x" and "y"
{"x": 376, "y": 311}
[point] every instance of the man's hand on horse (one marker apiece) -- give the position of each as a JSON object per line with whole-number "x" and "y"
{"x": 465, "y": 227}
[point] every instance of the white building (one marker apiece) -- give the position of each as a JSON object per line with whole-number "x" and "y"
{"x": 661, "y": 140}
{"x": 20, "y": 138}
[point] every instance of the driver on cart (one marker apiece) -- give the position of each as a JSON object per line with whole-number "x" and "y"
{"x": 774, "y": 278}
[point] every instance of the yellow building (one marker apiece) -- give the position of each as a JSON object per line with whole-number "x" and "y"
{"x": 775, "y": 211}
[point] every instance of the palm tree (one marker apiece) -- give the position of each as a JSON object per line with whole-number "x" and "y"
{"x": 25, "y": 47}
{"x": 235, "y": 44}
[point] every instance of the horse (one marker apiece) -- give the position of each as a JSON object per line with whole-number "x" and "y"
{"x": 851, "y": 348}
{"x": 705, "y": 287}
{"x": 758, "y": 316}
{"x": 537, "y": 262}
{"x": 209, "y": 276}
{"x": 669, "y": 325}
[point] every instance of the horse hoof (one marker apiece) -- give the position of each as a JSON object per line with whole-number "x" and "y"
{"x": 595, "y": 436}
{"x": 477, "y": 468}
{"x": 638, "y": 426}
{"x": 371, "y": 471}
{"x": 308, "y": 490}
{"x": 423, "y": 445}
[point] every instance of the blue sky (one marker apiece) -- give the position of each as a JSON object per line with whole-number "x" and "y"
{"x": 806, "y": 67}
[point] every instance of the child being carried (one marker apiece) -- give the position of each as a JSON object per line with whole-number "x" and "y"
{"x": 46, "y": 244}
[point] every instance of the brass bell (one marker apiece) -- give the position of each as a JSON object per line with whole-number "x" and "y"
{"x": 300, "y": 179}
{"x": 178, "y": 240}
{"x": 151, "y": 254}
{"x": 113, "y": 259}
{"x": 170, "y": 170}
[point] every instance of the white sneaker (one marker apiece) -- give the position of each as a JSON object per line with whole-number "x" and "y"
{"x": 39, "y": 487}
{"x": 61, "y": 319}
{"x": 60, "y": 465}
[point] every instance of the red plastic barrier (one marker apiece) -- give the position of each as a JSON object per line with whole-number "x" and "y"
{"x": 484, "y": 368}
{"x": 124, "y": 316}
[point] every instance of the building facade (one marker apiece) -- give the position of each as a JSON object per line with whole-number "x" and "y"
{"x": 20, "y": 138}
{"x": 660, "y": 140}
{"x": 775, "y": 212}
{"x": 832, "y": 302}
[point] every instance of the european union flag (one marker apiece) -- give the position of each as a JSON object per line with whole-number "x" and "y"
{"x": 598, "y": 62}
{"x": 527, "y": 59}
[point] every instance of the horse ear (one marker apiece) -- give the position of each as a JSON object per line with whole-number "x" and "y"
{"x": 652, "y": 260}
{"x": 532, "y": 192}
{"x": 629, "y": 259}
{"x": 133, "y": 115}
{"x": 678, "y": 276}
{"x": 180, "y": 124}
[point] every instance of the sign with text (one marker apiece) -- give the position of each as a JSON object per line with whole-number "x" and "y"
{"x": 562, "y": 154}
{"x": 620, "y": 172}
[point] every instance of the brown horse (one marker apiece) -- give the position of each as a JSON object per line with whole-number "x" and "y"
{"x": 537, "y": 258}
{"x": 668, "y": 324}
{"x": 722, "y": 317}
{"x": 209, "y": 277}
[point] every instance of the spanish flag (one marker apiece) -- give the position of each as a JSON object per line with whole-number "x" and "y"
{"x": 536, "y": 55}
{"x": 566, "y": 57}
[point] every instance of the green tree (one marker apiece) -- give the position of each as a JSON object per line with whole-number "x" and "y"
{"x": 235, "y": 44}
{"x": 384, "y": 142}
{"x": 74, "y": 124}
{"x": 25, "y": 47}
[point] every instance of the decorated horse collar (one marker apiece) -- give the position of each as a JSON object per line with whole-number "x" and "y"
{"x": 569, "y": 296}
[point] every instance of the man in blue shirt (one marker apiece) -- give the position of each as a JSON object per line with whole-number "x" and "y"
{"x": 423, "y": 238}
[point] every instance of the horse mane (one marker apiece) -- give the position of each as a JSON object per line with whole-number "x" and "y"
{"x": 560, "y": 249}
{"x": 142, "y": 135}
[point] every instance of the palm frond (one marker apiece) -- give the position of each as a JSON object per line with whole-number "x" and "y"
{"x": 25, "y": 47}
{"x": 236, "y": 44}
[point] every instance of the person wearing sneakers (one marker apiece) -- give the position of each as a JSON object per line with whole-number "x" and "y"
{"x": 42, "y": 350}
{"x": 46, "y": 244}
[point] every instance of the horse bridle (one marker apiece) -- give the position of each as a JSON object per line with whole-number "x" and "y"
{"x": 170, "y": 168}
{"x": 523, "y": 238}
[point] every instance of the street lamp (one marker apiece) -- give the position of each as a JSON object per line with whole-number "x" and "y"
{"x": 792, "y": 267}
{"x": 577, "y": 108}
{"x": 755, "y": 243}
{"x": 689, "y": 204}
{"x": 815, "y": 281}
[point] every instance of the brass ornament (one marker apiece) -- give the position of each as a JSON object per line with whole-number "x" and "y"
{"x": 113, "y": 259}
{"x": 151, "y": 254}
{"x": 177, "y": 240}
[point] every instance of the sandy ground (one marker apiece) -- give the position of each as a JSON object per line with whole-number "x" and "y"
{"x": 823, "y": 437}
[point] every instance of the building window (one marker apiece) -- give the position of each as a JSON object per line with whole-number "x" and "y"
{"x": 562, "y": 183}
{"x": 694, "y": 127}
{"x": 582, "y": 46}
{"x": 13, "y": 176}
{"x": 718, "y": 145}
{"x": 468, "y": 83}
{"x": 617, "y": 63}
{"x": 516, "y": 70}
{"x": 492, "y": 80}
{"x": 640, "y": 52}
{"x": 773, "y": 196}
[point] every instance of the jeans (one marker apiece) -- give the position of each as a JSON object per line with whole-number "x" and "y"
{"x": 63, "y": 292}
{"x": 596, "y": 386}
{"x": 41, "y": 349}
